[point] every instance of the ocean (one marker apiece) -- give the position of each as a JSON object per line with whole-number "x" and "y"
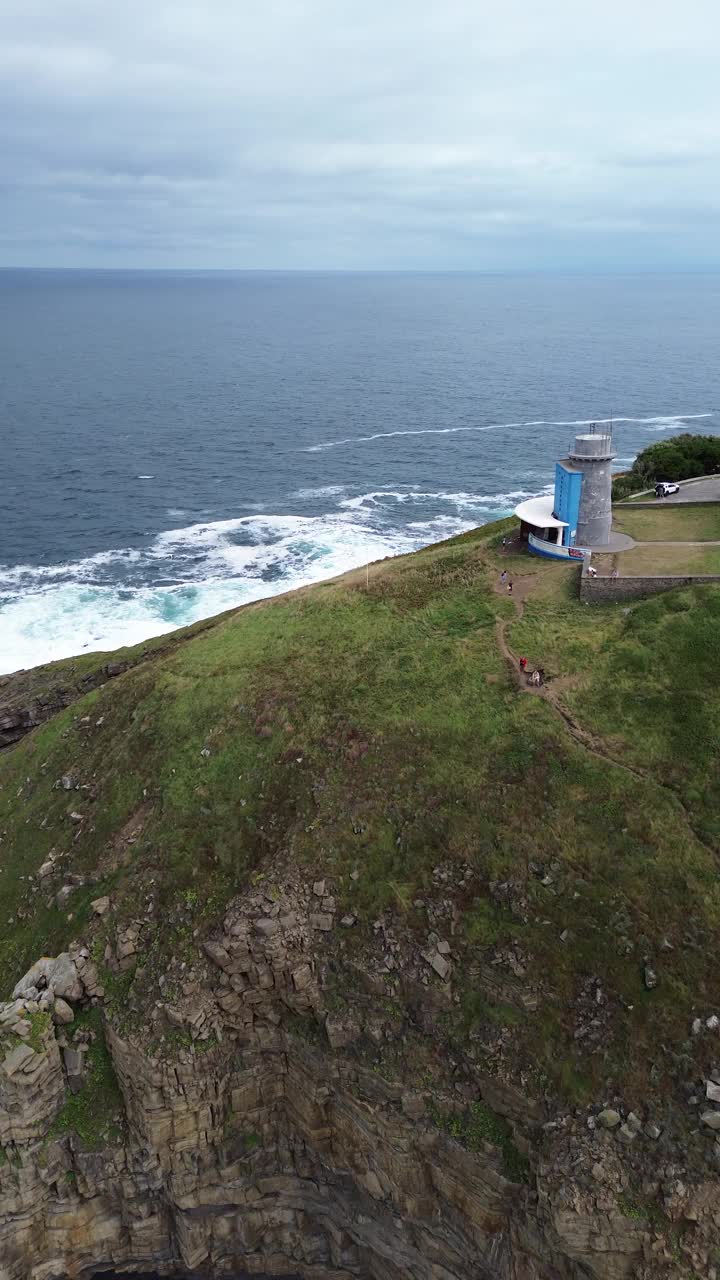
{"x": 175, "y": 443}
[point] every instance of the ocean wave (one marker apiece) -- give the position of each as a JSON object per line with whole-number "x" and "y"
{"x": 660, "y": 422}
{"x": 477, "y": 501}
{"x": 388, "y": 435}
{"x": 324, "y": 491}
{"x": 123, "y": 597}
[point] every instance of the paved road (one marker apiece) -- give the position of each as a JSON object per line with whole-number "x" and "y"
{"x": 707, "y": 490}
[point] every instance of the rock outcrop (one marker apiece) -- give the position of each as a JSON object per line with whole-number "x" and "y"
{"x": 256, "y": 1138}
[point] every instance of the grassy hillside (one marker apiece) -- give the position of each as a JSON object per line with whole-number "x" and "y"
{"x": 376, "y": 734}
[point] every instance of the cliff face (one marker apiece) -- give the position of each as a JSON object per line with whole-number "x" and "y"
{"x": 263, "y": 1149}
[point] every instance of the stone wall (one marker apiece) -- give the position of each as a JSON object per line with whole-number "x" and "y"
{"x": 606, "y": 590}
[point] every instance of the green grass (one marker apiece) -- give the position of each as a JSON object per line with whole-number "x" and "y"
{"x": 661, "y": 559}
{"x": 681, "y": 522}
{"x": 480, "y": 1125}
{"x": 96, "y": 1113}
{"x": 376, "y": 728}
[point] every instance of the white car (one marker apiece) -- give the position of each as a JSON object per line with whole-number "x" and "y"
{"x": 665, "y": 488}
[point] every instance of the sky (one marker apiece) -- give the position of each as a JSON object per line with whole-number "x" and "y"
{"x": 373, "y": 135}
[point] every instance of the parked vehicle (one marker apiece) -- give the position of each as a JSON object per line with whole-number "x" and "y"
{"x": 665, "y": 487}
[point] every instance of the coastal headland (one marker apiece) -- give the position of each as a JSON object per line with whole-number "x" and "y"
{"x": 333, "y": 947}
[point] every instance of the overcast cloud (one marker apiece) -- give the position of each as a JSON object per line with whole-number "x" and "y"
{"x": 389, "y": 133}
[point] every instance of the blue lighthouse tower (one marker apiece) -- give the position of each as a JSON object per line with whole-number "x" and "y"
{"x": 577, "y": 517}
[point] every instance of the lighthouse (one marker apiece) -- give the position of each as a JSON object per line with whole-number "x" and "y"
{"x": 577, "y": 517}
{"x": 591, "y": 457}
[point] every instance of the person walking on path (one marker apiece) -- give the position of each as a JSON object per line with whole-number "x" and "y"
{"x": 509, "y": 587}
{"x": 503, "y": 576}
{"x": 523, "y": 665}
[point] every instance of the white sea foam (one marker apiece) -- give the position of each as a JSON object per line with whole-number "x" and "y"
{"x": 388, "y": 435}
{"x": 125, "y": 595}
{"x": 324, "y": 491}
{"x": 478, "y": 501}
{"x": 54, "y": 611}
{"x": 660, "y": 423}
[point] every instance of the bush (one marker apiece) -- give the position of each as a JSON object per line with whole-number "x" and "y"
{"x": 679, "y": 458}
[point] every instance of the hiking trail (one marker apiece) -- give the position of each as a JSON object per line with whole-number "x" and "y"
{"x": 550, "y": 694}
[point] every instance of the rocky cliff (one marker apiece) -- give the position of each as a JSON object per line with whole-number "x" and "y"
{"x": 350, "y": 974}
{"x": 247, "y": 1136}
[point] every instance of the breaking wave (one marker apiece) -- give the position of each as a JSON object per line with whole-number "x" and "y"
{"x": 658, "y": 423}
{"x": 123, "y": 596}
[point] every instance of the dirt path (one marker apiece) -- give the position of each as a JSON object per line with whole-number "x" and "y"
{"x": 550, "y": 694}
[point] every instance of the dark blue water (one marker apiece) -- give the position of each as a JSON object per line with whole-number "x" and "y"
{"x": 175, "y": 443}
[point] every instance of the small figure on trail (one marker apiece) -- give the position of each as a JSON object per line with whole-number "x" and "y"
{"x": 615, "y": 573}
{"x": 509, "y": 588}
{"x": 504, "y": 542}
{"x": 592, "y": 572}
{"x": 503, "y": 576}
{"x": 523, "y": 664}
{"x": 536, "y": 678}
{"x": 541, "y": 675}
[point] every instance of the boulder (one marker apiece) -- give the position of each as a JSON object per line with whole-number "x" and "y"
{"x": 100, "y": 905}
{"x": 62, "y": 1013}
{"x": 321, "y": 920}
{"x": 711, "y": 1119}
{"x": 217, "y": 953}
{"x": 302, "y": 977}
{"x": 73, "y": 1063}
{"x": 59, "y": 975}
{"x": 35, "y": 978}
{"x": 267, "y": 927}
{"x": 438, "y": 963}
{"x": 64, "y": 980}
{"x": 17, "y": 1059}
{"x": 609, "y": 1119}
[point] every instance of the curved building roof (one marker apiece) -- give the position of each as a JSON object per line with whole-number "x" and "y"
{"x": 539, "y": 511}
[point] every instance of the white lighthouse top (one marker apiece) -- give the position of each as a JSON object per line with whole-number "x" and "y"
{"x": 539, "y": 512}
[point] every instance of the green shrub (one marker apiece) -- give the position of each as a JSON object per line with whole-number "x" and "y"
{"x": 679, "y": 458}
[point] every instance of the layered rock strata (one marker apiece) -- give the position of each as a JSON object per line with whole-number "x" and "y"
{"x": 255, "y": 1140}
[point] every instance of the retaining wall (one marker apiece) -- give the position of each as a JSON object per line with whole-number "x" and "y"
{"x": 605, "y": 590}
{"x": 625, "y": 504}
